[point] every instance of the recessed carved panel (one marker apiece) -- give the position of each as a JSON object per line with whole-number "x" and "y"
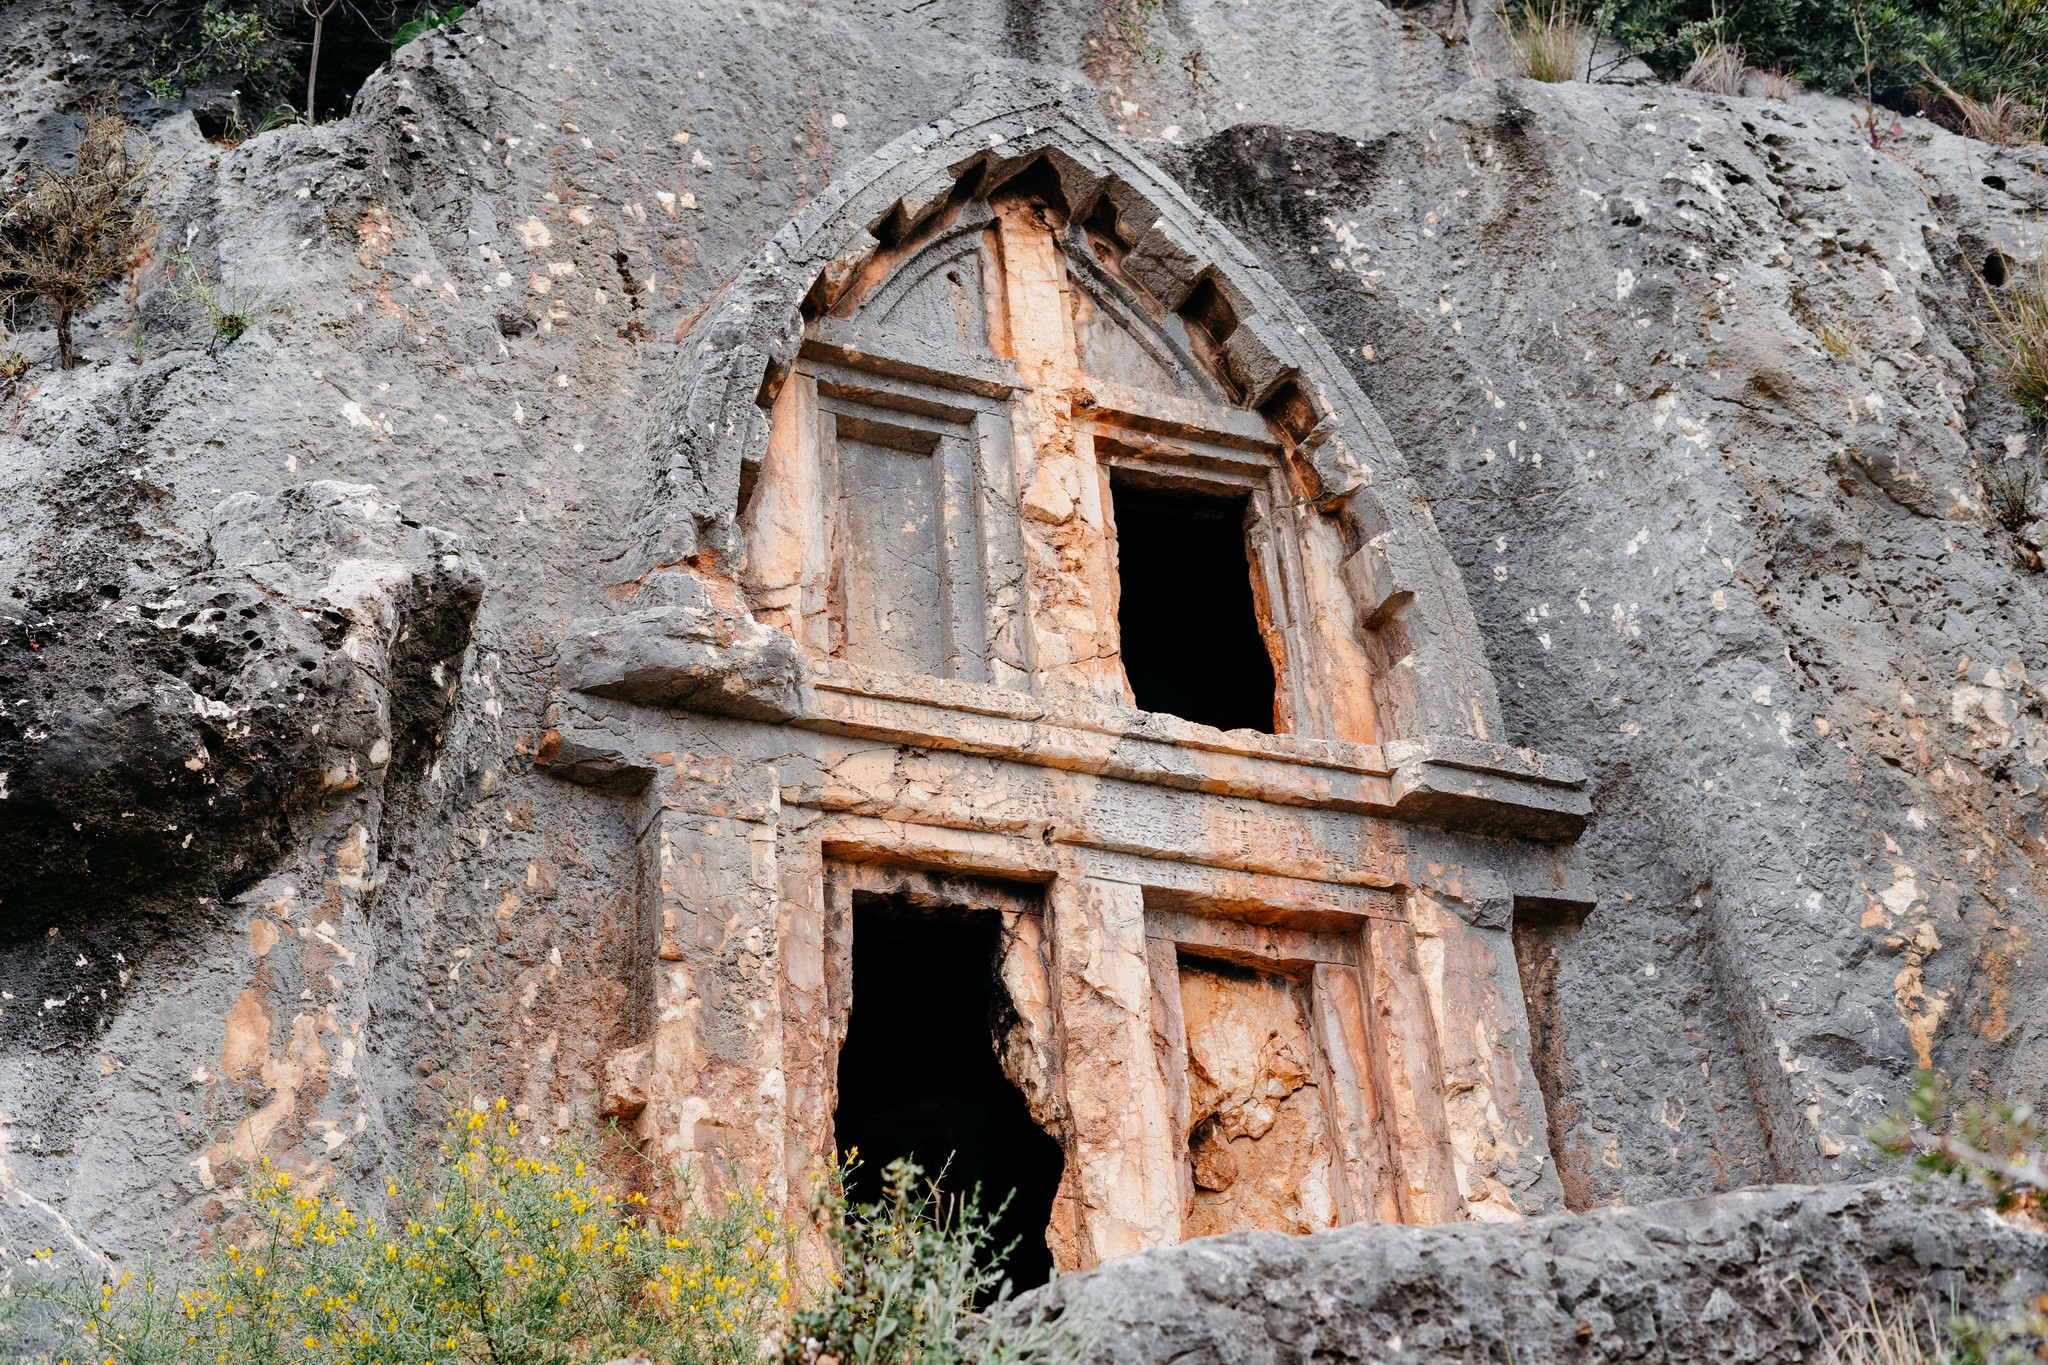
{"x": 1259, "y": 1145}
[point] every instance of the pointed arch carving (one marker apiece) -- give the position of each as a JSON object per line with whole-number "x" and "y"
{"x": 890, "y": 275}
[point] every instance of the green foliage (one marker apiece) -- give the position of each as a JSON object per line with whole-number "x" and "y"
{"x": 495, "y": 1256}
{"x": 239, "y": 130}
{"x": 229, "y": 309}
{"x": 1982, "y": 47}
{"x": 241, "y": 40}
{"x": 512, "y": 1253}
{"x": 913, "y": 1270}
{"x": 428, "y": 21}
{"x": 2002, "y": 1149}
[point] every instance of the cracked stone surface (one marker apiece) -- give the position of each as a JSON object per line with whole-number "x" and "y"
{"x": 1733, "y": 1278}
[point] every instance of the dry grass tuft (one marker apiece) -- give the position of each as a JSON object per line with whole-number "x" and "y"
{"x": 1770, "y": 85}
{"x": 2006, "y": 121}
{"x": 1549, "y": 43}
{"x": 67, "y": 235}
{"x": 2016, "y": 334}
{"x": 1841, "y": 338}
{"x": 1863, "y": 1333}
{"x": 1716, "y": 68}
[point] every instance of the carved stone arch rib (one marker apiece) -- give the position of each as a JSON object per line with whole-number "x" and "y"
{"x": 1411, "y": 612}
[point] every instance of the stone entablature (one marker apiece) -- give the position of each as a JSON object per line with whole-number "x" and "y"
{"x": 1251, "y": 979}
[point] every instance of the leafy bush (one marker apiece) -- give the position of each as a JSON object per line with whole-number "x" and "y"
{"x": 242, "y": 40}
{"x": 68, "y": 234}
{"x": 428, "y": 21}
{"x": 496, "y": 1256}
{"x": 502, "y": 1256}
{"x": 914, "y": 1272}
{"x": 2002, "y": 1149}
{"x": 1983, "y": 48}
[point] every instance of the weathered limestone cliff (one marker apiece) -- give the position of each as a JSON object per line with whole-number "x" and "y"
{"x": 401, "y": 701}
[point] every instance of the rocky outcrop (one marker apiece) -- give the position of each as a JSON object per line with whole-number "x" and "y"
{"x": 1694, "y": 386}
{"x": 1687, "y": 383}
{"x": 1747, "y": 1277}
{"x": 176, "y": 748}
{"x": 160, "y": 732}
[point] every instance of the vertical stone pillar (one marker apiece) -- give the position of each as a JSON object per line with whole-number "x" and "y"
{"x": 1069, "y": 588}
{"x": 1121, "y": 1148}
{"x": 715, "y": 1087}
{"x": 813, "y": 1011}
{"x": 1492, "y": 1102}
{"x": 1366, "y": 1183}
{"x": 1402, "y": 1035}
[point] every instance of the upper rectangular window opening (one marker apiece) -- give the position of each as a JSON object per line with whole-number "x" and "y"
{"x": 1186, "y": 610}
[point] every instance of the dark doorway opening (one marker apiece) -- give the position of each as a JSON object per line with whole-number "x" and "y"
{"x": 1191, "y": 642}
{"x": 919, "y": 1078}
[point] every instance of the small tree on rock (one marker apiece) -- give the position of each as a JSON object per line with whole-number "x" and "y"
{"x": 66, "y": 235}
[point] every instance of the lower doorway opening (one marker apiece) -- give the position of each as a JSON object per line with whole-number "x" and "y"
{"x": 919, "y": 1076}
{"x": 1188, "y": 621}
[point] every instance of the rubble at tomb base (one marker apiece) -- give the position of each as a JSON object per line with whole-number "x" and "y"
{"x": 1773, "y": 1274}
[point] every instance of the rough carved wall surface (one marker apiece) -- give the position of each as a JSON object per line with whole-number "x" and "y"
{"x": 1737, "y": 1278}
{"x": 1749, "y": 582}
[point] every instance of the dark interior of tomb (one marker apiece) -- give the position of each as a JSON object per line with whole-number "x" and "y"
{"x": 918, "y": 1075}
{"x": 1191, "y": 643}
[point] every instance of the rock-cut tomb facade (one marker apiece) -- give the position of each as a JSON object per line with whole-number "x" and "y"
{"x": 1057, "y": 733}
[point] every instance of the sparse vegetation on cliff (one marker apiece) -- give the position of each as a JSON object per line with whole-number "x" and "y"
{"x": 1549, "y": 43}
{"x": 498, "y": 1255}
{"x": 2001, "y": 1149}
{"x": 69, "y": 233}
{"x": 509, "y": 1251}
{"x": 920, "y": 1283}
{"x": 1906, "y": 53}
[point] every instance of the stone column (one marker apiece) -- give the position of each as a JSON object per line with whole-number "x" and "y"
{"x": 1492, "y": 1102}
{"x": 814, "y": 941}
{"x": 715, "y": 1101}
{"x": 1069, "y": 586}
{"x": 1402, "y": 1035}
{"x": 1366, "y": 1181}
{"x": 1121, "y": 1150}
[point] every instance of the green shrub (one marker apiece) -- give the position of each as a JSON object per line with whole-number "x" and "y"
{"x": 512, "y": 1256}
{"x": 1983, "y": 48}
{"x": 229, "y": 309}
{"x": 242, "y": 40}
{"x": 428, "y": 21}
{"x": 2002, "y": 1149}
{"x": 495, "y": 1256}
{"x": 914, "y": 1274}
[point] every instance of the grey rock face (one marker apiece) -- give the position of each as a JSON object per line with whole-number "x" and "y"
{"x": 1732, "y": 1278}
{"x": 690, "y": 651}
{"x": 1750, "y": 576}
{"x": 158, "y": 735}
{"x": 1747, "y": 579}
